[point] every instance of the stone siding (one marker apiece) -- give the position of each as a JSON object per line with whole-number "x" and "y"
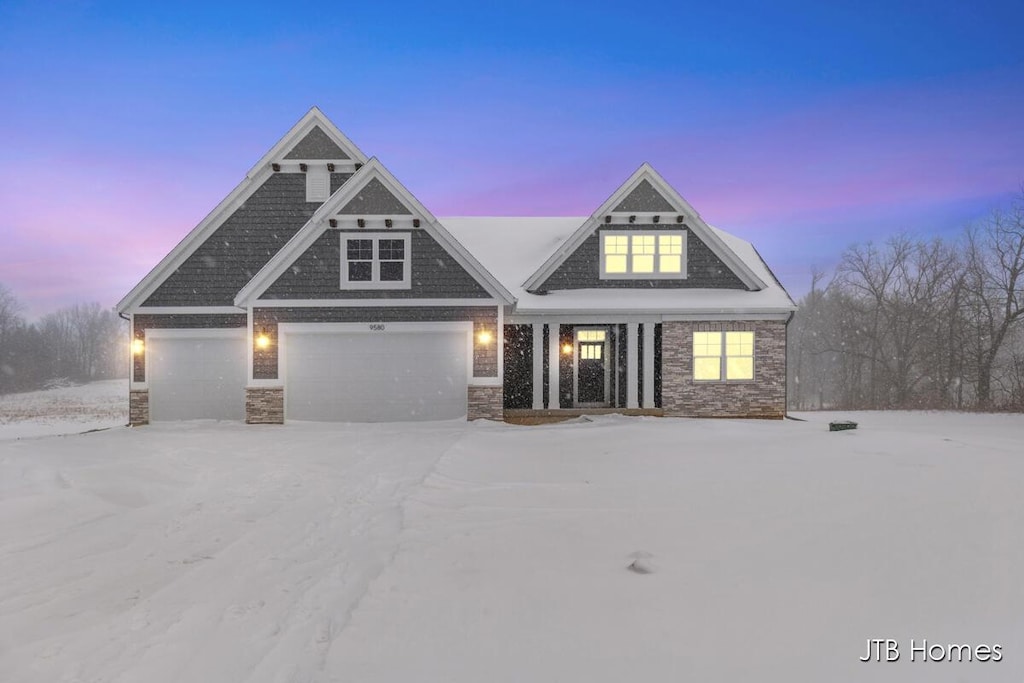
{"x": 138, "y": 407}
{"x": 485, "y": 403}
{"x": 765, "y": 396}
{"x": 264, "y": 405}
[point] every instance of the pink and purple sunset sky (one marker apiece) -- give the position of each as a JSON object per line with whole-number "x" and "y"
{"x": 801, "y": 126}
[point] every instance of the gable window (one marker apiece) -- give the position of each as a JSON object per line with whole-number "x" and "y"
{"x": 375, "y": 261}
{"x": 721, "y": 356}
{"x": 643, "y": 255}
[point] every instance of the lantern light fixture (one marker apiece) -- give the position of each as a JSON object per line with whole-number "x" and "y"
{"x": 138, "y": 346}
{"x": 567, "y": 349}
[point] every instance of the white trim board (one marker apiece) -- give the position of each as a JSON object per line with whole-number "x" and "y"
{"x": 693, "y": 221}
{"x": 375, "y": 302}
{"x": 254, "y": 179}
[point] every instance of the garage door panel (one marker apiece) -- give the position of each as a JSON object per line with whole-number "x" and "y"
{"x": 376, "y": 377}
{"x": 195, "y": 378}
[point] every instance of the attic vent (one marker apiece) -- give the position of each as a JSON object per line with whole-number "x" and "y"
{"x": 318, "y": 183}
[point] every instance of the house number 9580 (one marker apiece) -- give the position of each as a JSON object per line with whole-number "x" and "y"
{"x": 377, "y": 327}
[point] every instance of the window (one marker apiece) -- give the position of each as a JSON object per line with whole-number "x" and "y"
{"x": 643, "y": 255}
{"x": 718, "y": 355}
{"x": 374, "y": 261}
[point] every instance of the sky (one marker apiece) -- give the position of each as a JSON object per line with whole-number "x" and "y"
{"x": 803, "y": 127}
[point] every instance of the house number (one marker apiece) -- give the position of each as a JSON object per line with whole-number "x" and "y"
{"x": 377, "y": 327}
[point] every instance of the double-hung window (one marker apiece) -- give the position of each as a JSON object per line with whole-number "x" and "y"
{"x": 375, "y": 261}
{"x": 643, "y": 255}
{"x": 721, "y": 356}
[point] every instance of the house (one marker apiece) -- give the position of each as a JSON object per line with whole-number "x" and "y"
{"x": 320, "y": 288}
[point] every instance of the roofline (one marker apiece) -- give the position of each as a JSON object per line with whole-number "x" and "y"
{"x": 317, "y": 225}
{"x": 700, "y": 228}
{"x": 253, "y": 179}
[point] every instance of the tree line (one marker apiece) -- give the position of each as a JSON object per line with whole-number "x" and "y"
{"x": 79, "y": 343}
{"x": 916, "y": 323}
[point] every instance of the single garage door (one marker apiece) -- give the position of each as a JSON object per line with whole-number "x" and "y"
{"x": 196, "y": 374}
{"x": 388, "y": 376}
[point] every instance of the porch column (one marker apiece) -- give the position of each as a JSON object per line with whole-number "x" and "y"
{"x": 648, "y": 365}
{"x": 538, "y": 366}
{"x": 632, "y": 374}
{"x": 553, "y": 393}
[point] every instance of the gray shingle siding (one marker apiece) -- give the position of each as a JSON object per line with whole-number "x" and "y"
{"x": 266, "y": 320}
{"x": 644, "y": 198}
{"x": 316, "y": 145}
{"x": 317, "y": 274}
{"x": 582, "y": 269}
{"x": 375, "y": 200}
{"x": 242, "y": 245}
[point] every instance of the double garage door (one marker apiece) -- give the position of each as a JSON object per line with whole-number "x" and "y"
{"x": 372, "y": 375}
{"x": 354, "y": 375}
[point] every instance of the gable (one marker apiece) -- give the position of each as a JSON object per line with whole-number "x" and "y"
{"x": 316, "y": 145}
{"x": 644, "y": 198}
{"x": 581, "y": 269}
{"x": 374, "y": 205}
{"x": 226, "y": 260}
{"x": 374, "y": 200}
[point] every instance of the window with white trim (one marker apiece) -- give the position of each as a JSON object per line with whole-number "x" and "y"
{"x": 643, "y": 255}
{"x": 375, "y": 261}
{"x": 721, "y": 356}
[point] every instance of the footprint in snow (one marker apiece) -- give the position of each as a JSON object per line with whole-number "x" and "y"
{"x": 641, "y": 563}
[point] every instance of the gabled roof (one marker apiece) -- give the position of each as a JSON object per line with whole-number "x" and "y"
{"x": 511, "y": 247}
{"x": 313, "y": 119}
{"x": 617, "y": 203}
{"x": 372, "y": 174}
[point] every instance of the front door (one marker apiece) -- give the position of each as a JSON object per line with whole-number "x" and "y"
{"x": 591, "y": 368}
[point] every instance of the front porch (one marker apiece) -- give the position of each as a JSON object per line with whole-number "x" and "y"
{"x": 557, "y": 370}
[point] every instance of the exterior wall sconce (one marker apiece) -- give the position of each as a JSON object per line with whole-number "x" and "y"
{"x": 262, "y": 340}
{"x": 485, "y": 337}
{"x": 138, "y": 346}
{"x": 567, "y": 349}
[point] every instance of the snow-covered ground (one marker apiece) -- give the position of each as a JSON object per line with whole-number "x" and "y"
{"x": 68, "y": 410}
{"x": 482, "y": 552}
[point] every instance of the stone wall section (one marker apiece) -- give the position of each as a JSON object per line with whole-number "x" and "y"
{"x": 264, "y": 405}
{"x": 764, "y": 397}
{"x": 138, "y": 407}
{"x": 486, "y": 403}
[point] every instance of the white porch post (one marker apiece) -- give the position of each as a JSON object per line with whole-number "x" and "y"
{"x": 632, "y": 374}
{"x": 553, "y": 393}
{"x": 648, "y": 365}
{"x": 538, "y": 366}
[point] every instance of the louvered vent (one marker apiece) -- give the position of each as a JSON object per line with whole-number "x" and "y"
{"x": 318, "y": 184}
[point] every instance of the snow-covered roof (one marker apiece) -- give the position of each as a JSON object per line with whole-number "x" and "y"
{"x": 512, "y": 248}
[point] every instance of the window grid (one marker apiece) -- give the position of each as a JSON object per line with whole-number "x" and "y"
{"x": 375, "y": 261}
{"x": 728, "y": 356}
{"x": 639, "y": 255}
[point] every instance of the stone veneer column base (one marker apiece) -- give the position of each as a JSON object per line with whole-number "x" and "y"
{"x": 486, "y": 403}
{"x": 764, "y": 397}
{"x": 138, "y": 407}
{"x": 264, "y": 405}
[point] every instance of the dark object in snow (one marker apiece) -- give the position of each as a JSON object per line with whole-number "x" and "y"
{"x": 841, "y": 426}
{"x": 641, "y": 563}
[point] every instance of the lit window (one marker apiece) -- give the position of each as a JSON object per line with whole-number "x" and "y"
{"x": 716, "y": 354}
{"x": 590, "y": 335}
{"x": 375, "y": 261}
{"x": 643, "y": 255}
{"x": 591, "y": 351}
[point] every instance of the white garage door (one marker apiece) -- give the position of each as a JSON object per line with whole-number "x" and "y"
{"x": 376, "y": 376}
{"x": 195, "y": 375}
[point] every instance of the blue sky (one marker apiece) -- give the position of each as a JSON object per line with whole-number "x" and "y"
{"x": 802, "y": 126}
